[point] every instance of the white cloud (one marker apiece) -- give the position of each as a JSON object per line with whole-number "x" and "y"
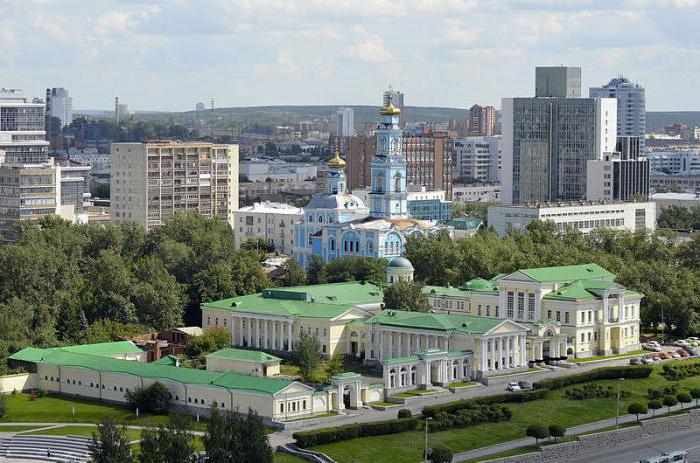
{"x": 371, "y": 50}
{"x": 455, "y": 34}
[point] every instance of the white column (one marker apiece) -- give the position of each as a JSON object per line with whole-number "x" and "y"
{"x": 289, "y": 339}
{"x": 240, "y": 331}
{"x": 274, "y": 335}
{"x": 265, "y": 336}
{"x": 500, "y": 354}
{"x": 400, "y": 336}
{"x": 381, "y": 345}
{"x": 257, "y": 333}
{"x": 507, "y": 352}
{"x": 447, "y": 343}
{"x": 493, "y": 354}
{"x": 523, "y": 350}
{"x": 484, "y": 355}
{"x": 250, "y": 332}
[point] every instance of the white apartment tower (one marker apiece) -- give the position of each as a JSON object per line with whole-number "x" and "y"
{"x": 152, "y": 181}
{"x": 631, "y": 106}
{"x": 345, "y": 122}
{"x": 59, "y": 105}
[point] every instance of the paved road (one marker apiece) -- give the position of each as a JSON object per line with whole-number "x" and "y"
{"x": 646, "y": 448}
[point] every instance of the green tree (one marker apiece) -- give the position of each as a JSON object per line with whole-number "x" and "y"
{"x": 291, "y": 274}
{"x": 556, "y": 431}
{"x": 406, "y": 295}
{"x": 684, "y": 398}
{"x": 150, "y": 449}
{"x": 159, "y": 299}
{"x": 436, "y": 259}
{"x": 637, "y": 408}
{"x": 669, "y": 401}
{"x": 315, "y": 270}
{"x": 3, "y": 405}
{"x": 537, "y": 431}
{"x": 232, "y": 437}
{"x": 355, "y": 269}
{"x": 110, "y": 443}
{"x": 154, "y": 398}
{"x": 654, "y": 405}
{"x": 441, "y": 455}
{"x": 695, "y": 394}
{"x": 308, "y": 354}
{"x": 212, "y": 340}
{"x": 334, "y": 365}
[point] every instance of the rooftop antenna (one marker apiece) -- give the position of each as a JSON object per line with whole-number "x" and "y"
{"x": 212, "y": 104}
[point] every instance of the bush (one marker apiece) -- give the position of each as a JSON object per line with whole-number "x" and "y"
{"x": 441, "y": 455}
{"x": 676, "y": 372}
{"x": 556, "y": 431}
{"x": 154, "y": 398}
{"x": 628, "y": 372}
{"x": 537, "y": 431}
{"x": 654, "y": 405}
{"x": 351, "y": 431}
{"x": 669, "y": 401}
{"x": 469, "y": 417}
{"x": 664, "y": 391}
{"x": 452, "y": 407}
{"x": 684, "y": 398}
{"x": 404, "y": 413}
{"x": 3, "y": 405}
{"x": 695, "y": 394}
{"x": 592, "y": 391}
{"x": 637, "y": 408}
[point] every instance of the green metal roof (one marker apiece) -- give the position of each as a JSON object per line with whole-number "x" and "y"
{"x": 245, "y": 356}
{"x": 105, "y": 349}
{"x": 586, "y": 290}
{"x": 228, "y": 379}
{"x": 436, "y": 321}
{"x": 567, "y": 273}
{"x": 315, "y": 301}
{"x": 480, "y": 285}
{"x": 167, "y": 360}
{"x": 445, "y": 291}
{"x": 466, "y": 223}
{"x": 397, "y": 360}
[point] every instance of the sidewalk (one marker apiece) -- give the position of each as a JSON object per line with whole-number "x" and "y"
{"x": 580, "y": 429}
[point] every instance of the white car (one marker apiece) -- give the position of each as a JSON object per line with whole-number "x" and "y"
{"x": 681, "y": 343}
{"x": 646, "y": 360}
{"x": 514, "y": 387}
{"x": 652, "y": 347}
{"x": 694, "y": 339}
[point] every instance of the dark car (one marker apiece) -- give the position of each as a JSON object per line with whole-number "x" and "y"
{"x": 635, "y": 361}
{"x": 524, "y": 385}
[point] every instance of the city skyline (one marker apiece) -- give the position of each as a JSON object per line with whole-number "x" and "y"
{"x": 169, "y": 55}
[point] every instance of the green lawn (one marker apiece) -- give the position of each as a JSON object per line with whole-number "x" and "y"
{"x": 407, "y": 447}
{"x": 385, "y": 404}
{"x": 281, "y": 457}
{"x": 529, "y": 370}
{"x": 72, "y": 430}
{"x": 325, "y": 415}
{"x": 462, "y": 384}
{"x": 507, "y": 453}
{"x": 16, "y": 428}
{"x": 602, "y": 357}
{"x": 289, "y": 368}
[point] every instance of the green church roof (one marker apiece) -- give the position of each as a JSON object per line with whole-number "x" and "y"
{"x": 436, "y": 321}
{"x": 245, "y": 356}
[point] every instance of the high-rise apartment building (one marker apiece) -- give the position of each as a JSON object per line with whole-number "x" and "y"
{"x": 482, "y": 120}
{"x": 358, "y": 152}
{"x": 429, "y": 160}
{"x": 477, "y": 159}
{"x": 152, "y": 181}
{"x": 558, "y": 81}
{"x": 22, "y": 134}
{"x": 631, "y": 106}
{"x": 59, "y": 105}
{"x": 345, "y": 122}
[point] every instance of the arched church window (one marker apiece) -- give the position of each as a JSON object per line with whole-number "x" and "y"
{"x": 380, "y": 182}
{"x": 331, "y": 244}
{"x": 320, "y": 219}
{"x": 397, "y": 182}
{"x": 370, "y": 247}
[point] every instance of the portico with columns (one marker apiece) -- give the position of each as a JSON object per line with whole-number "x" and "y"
{"x": 423, "y": 369}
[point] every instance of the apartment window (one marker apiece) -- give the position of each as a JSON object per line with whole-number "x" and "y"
{"x": 566, "y": 317}
{"x": 583, "y": 317}
{"x": 583, "y": 337}
{"x": 498, "y": 311}
{"x": 509, "y": 310}
{"x": 530, "y": 306}
{"x": 589, "y": 337}
{"x": 558, "y": 316}
{"x": 549, "y": 315}
{"x": 590, "y": 316}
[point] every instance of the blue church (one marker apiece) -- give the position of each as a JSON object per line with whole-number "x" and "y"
{"x": 337, "y": 223}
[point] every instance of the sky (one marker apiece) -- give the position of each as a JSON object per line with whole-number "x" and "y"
{"x": 171, "y": 54}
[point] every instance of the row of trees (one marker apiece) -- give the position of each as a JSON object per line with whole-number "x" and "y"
{"x": 64, "y": 283}
{"x": 231, "y": 437}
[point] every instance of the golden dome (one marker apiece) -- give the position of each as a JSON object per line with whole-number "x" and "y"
{"x": 337, "y": 162}
{"x": 390, "y": 109}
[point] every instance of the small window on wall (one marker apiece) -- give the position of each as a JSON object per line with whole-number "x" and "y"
{"x": 324, "y": 348}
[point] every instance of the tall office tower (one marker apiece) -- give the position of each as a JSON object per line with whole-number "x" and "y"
{"x": 631, "y": 106}
{"x": 199, "y": 107}
{"x": 547, "y": 143}
{"x": 617, "y": 178}
{"x": 345, "y": 122}
{"x": 152, "y": 181}
{"x": 558, "y": 81}
{"x": 116, "y": 108}
{"x": 477, "y": 159}
{"x": 429, "y": 160}
{"x": 629, "y": 147}
{"x": 482, "y": 120}
{"x": 59, "y": 105}
{"x": 22, "y": 134}
{"x": 396, "y": 98}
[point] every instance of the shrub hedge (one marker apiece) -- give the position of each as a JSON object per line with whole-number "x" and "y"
{"x": 512, "y": 397}
{"x": 593, "y": 390}
{"x": 351, "y": 431}
{"x": 676, "y": 372}
{"x": 628, "y": 372}
{"x": 469, "y": 417}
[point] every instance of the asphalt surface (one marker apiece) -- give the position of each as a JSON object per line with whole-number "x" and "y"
{"x": 635, "y": 451}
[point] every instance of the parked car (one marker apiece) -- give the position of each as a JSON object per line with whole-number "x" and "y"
{"x": 655, "y": 357}
{"x": 683, "y": 353}
{"x": 524, "y": 385}
{"x": 664, "y": 356}
{"x": 694, "y": 339}
{"x": 635, "y": 361}
{"x": 513, "y": 387}
{"x": 675, "y": 355}
{"x": 681, "y": 343}
{"x": 651, "y": 347}
{"x": 647, "y": 360}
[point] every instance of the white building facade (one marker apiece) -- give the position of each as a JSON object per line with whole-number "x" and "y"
{"x": 477, "y": 158}
{"x": 631, "y": 106}
{"x": 274, "y": 222}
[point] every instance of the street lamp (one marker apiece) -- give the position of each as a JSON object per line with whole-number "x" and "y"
{"x": 617, "y": 406}
{"x": 425, "y": 453}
